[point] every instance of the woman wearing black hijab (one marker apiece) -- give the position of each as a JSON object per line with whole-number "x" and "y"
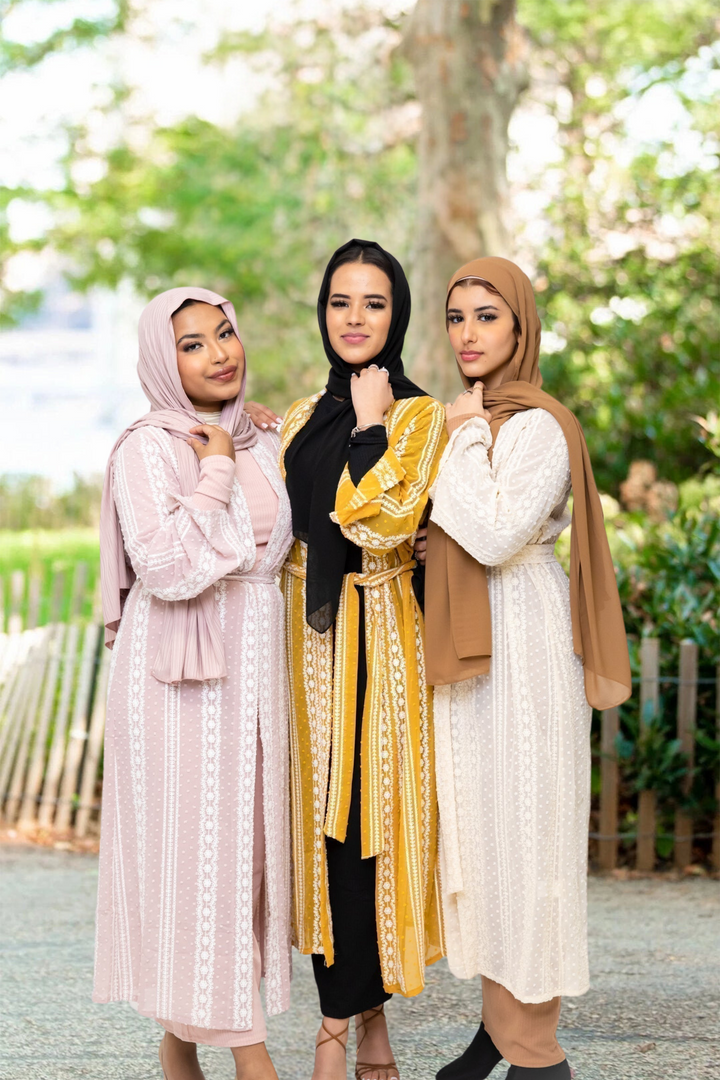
{"x": 359, "y": 459}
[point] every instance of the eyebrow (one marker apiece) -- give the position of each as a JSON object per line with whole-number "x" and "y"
{"x": 218, "y": 327}
{"x": 485, "y": 307}
{"x": 368, "y": 296}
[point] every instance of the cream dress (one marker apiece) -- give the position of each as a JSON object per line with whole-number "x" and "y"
{"x": 513, "y": 746}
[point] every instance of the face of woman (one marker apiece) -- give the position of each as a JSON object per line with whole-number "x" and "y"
{"x": 481, "y": 328}
{"x": 359, "y": 312}
{"x": 210, "y": 357}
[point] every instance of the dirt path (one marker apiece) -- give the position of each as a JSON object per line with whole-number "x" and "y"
{"x": 653, "y": 1012}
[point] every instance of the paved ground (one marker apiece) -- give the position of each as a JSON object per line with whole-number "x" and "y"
{"x": 653, "y": 1012}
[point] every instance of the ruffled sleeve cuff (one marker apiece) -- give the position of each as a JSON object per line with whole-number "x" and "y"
{"x": 355, "y": 503}
{"x": 459, "y": 421}
{"x": 464, "y": 431}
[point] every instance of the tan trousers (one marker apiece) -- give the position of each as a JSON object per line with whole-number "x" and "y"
{"x": 258, "y": 1032}
{"x": 524, "y": 1034}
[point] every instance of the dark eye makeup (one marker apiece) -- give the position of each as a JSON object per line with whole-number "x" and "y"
{"x": 484, "y": 316}
{"x": 193, "y": 346}
{"x": 375, "y": 305}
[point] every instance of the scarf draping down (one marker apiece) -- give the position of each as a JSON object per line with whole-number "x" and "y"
{"x": 191, "y": 643}
{"x": 317, "y": 456}
{"x": 457, "y": 608}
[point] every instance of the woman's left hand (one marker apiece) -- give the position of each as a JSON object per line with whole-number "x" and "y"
{"x": 262, "y": 416}
{"x": 469, "y": 403}
{"x": 420, "y": 550}
{"x": 372, "y": 395}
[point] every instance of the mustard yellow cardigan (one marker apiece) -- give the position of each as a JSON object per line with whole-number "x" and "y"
{"x": 398, "y": 799}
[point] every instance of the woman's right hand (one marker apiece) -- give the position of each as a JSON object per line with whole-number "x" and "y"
{"x": 219, "y": 442}
{"x": 469, "y": 403}
{"x": 262, "y": 416}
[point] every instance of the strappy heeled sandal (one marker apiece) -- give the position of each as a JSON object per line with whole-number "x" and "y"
{"x": 337, "y": 1038}
{"x": 362, "y": 1068}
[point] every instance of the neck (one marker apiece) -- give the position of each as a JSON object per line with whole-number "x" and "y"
{"x": 209, "y": 407}
{"x": 493, "y": 380}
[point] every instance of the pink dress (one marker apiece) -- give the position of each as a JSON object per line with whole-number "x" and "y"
{"x": 194, "y": 890}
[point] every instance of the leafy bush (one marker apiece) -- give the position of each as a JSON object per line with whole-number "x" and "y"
{"x": 669, "y": 580}
{"x": 30, "y": 502}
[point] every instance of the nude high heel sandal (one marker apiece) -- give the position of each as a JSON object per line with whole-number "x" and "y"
{"x": 363, "y": 1067}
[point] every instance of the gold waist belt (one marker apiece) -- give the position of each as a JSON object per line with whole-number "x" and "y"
{"x": 378, "y": 632}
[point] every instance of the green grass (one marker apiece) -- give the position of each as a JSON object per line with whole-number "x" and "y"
{"x": 52, "y": 555}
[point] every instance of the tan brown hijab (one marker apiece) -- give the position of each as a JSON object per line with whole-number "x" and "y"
{"x": 457, "y": 609}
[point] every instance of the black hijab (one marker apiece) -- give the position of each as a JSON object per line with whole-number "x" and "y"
{"x": 316, "y": 457}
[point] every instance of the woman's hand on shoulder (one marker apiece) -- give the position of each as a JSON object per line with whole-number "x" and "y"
{"x": 219, "y": 442}
{"x": 469, "y": 403}
{"x": 372, "y": 395}
{"x": 262, "y": 416}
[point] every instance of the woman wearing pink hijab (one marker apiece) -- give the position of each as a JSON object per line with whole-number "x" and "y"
{"x": 193, "y": 899}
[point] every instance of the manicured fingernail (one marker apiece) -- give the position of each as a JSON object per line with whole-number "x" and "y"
{"x": 263, "y": 425}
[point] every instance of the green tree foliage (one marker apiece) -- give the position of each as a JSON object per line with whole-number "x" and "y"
{"x": 627, "y": 270}
{"x": 15, "y": 56}
{"x": 254, "y": 211}
{"x": 30, "y": 502}
{"x": 78, "y": 33}
{"x": 631, "y": 270}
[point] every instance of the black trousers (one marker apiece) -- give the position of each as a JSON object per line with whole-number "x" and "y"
{"x": 353, "y": 983}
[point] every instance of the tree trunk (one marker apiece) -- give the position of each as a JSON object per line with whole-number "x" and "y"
{"x": 468, "y": 59}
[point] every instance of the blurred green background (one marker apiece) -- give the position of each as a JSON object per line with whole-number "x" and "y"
{"x": 579, "y": 138}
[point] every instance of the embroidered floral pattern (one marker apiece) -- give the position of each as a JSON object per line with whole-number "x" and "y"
{"x": 513, "y": 746}
{"x": 381, "y": 515}
{"x": 175, "y": 899}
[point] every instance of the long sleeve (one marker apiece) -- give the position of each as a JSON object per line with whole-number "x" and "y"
{"x": 178, "y": 545}
{"x": 493, "y": 511}
{"x": 366, "y": 449}
{"x": 386, "y": 506}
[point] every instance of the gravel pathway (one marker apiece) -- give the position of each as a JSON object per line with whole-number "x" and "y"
{"x": 653, "y": 1012}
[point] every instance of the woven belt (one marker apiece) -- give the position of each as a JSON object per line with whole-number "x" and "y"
{"x": 342, "y": 758}
{"x": 252, "y": 579}
{"x": 378, "y": 577}
{"x": 533, "y": 553}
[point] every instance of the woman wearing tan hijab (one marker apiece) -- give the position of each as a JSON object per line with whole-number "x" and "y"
{"x": 517, "y": 655}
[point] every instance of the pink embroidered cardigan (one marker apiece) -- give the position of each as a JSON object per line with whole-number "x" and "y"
{"x": 175, "y": 918}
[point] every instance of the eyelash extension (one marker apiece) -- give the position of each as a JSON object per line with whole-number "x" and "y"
{"x": 192, "y": 346}
{"x": 376, "y": 305}
{"x": 485, "y": 317}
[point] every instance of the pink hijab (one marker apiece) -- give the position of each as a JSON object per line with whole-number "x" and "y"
{"x": 191, "y": 645}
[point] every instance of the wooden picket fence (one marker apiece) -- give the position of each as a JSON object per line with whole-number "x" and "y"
{"x": 53, "y": 686}
{"x": 645, "y": 836}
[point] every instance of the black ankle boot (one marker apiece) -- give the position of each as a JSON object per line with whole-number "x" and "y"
{"x": 476, "y": 1063}
{"x": 561, "y": 1071}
